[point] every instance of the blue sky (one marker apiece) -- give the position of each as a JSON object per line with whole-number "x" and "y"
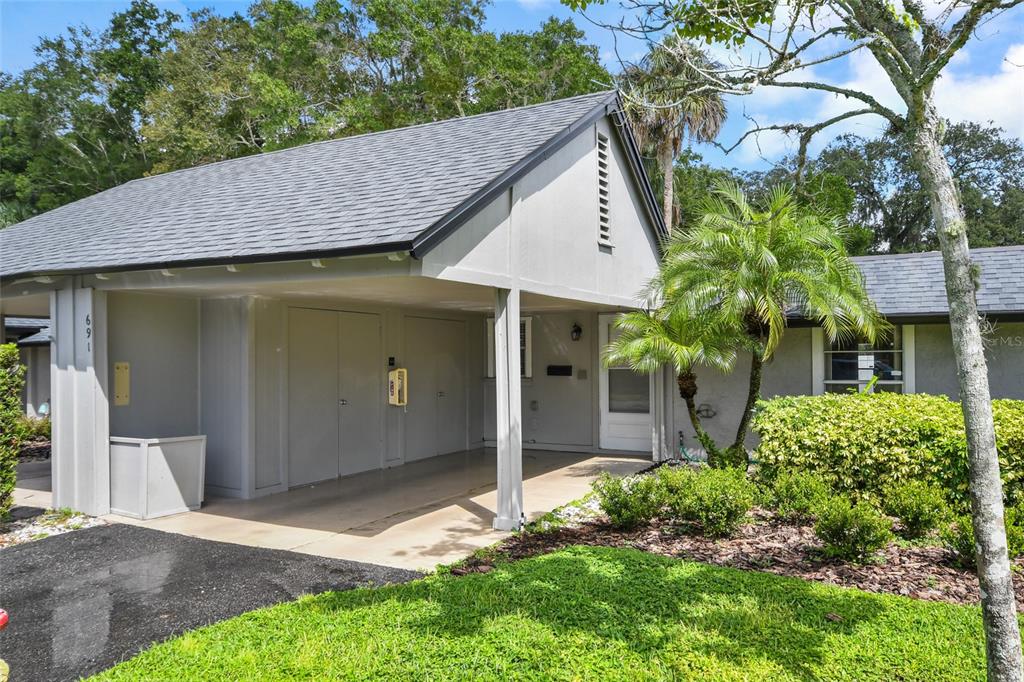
{"x": 985, "y": 83}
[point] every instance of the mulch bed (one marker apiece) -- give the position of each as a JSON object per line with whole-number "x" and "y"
{"x": 772, "y": 546}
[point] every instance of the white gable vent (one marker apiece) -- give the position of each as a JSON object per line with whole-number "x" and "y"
{"x": 604, "y": 233}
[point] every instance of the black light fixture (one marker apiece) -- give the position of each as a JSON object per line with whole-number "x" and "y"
{"x": 577, "y": 331}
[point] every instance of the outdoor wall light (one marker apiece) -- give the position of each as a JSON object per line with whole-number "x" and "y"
{"x": 577, "y": 332}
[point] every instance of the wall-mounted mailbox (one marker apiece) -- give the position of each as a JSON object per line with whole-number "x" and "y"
{"x": 398, "y": 387}
{"x": 122, "y": 383}
{"x": 559, "y": 370}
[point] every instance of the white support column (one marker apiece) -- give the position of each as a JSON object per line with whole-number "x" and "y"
{"x": 81, "y": 414}
{"x": 509, "y": 403}
{"x": 659, "y": 422}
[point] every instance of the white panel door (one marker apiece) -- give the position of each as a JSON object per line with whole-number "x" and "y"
{"x": 313, "y": 412}
{"x": 625, "y": 399}
{"x": 435, "y": 418}
{"x": 361, "y": 392}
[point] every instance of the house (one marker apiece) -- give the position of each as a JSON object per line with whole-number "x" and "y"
{"x": 265, "y": 301}
{"x": 32, "y": 335}
{"x": 909, "y": 289}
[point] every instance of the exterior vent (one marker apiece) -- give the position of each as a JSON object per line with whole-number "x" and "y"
{"x": 604, "y": 233}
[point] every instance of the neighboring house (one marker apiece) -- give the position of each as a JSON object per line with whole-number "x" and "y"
{"x": 262, "y": 301}
{"x": 32, "y": 334}
{"x": 910, "y": 290}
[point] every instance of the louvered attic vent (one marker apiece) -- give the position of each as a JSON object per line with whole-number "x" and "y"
{"x": 604, "y": 235}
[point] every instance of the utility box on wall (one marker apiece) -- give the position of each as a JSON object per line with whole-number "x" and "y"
{"x": 151, "y": 477}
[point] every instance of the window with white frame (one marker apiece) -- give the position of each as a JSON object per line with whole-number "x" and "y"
{"x": 525, "y": 347}
{"x": 604, "y": 229}
{"x": 886, "y": 365}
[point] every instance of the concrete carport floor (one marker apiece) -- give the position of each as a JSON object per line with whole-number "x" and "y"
{"x": 433, "y": 511}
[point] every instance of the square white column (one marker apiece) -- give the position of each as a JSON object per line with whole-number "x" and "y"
{"x": 507, "y": 372}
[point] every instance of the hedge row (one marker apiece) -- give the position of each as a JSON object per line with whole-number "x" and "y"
{"x": 12, "y": 378}
{"x": 862, "y": 443}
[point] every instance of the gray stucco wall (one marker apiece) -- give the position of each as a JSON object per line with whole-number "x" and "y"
{"x": 158, "y": 336}
{"x": 37, "y": 378}
{"x": 936, "y": 367}
{"x": 543, "y": 234}
{"x": 224, "y": 376}
{"x": 788, "y": 373}
{"x": 557, "y": 410}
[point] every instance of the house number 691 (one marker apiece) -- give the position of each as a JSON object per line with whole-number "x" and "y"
{"x": 88, "y": 333}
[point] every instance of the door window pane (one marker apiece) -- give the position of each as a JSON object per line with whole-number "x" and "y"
{"x": 628, "y": 391}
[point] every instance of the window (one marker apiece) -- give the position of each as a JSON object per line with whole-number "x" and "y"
{"x": 604, "y": 231}
{"x": 851, "y": 366}
{"x": 525, "y": 347}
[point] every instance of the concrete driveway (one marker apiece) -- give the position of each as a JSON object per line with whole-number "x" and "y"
{"x": 433, "y": 511}
{"x": 83, "y": 601}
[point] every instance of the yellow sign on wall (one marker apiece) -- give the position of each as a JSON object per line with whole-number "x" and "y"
{"x": 398, "y": 387}
{"x": 122, "y": 383}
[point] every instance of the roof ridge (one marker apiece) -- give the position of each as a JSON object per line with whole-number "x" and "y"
{"x": 922, "y": 254}
{"x": 363, "y": 135}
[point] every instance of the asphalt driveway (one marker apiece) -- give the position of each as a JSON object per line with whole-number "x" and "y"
{"x": 83, "y": 601}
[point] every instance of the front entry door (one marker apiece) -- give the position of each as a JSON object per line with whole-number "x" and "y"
{"x": 335, "y": 394}
{"x": 435, "y": 421}
{"x": 625, "y": 398}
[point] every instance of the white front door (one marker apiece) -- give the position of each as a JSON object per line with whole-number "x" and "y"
{"x": 625, "y": 398}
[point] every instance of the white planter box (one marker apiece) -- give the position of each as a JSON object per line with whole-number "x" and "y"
{"x": 151, "y": 477}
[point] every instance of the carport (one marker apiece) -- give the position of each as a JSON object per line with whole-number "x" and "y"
{"x": 264, "y": 302}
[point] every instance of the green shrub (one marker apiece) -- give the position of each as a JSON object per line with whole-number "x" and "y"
{"x": 851, "y": 531}
{"x": 12, "y": 378}
{"x": 34, "y": 428}
{"x": 958, "y": 538}
{"x": 865, "y": 442}
{"x": 799, "y": 494}
{"x": 716, "y": 499}
{"x": 628, "y": 501}
{"x": 919, "y": 506}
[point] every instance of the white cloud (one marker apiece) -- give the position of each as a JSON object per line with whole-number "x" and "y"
{"x": 997, "y": 97}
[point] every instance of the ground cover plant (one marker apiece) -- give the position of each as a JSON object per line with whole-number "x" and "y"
{"x": 583, "y": 613}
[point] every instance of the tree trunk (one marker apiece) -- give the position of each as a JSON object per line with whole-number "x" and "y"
{"x": 666, "y": 158}
{"x": 738, "y": 451}
{"x": 1002, "y": 635}
{"x": 687, "y": 383}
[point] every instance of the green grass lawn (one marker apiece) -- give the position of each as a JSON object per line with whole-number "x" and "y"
{"x": 584, "y": 613}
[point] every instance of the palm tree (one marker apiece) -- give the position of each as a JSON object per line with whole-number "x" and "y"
{"x": 649, "y": 339}
{"x": 731, "y": 283}
{"x": 668, "y": 97}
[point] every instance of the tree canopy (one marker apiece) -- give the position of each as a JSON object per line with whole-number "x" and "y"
{"x": 153, "y": 92}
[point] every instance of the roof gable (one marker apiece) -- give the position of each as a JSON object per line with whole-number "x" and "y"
{"x": 369, "y": 193}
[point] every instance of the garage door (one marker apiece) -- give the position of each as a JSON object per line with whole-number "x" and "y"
{"x": 335, "y": 394}
{"x": 435, "y": 354}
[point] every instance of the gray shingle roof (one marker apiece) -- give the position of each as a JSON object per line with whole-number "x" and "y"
{"x": 359, "y": 193}
{"x": 26, "y": 323}
{"x": 40, "y": 338}
{"x": 913, "y": 284}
